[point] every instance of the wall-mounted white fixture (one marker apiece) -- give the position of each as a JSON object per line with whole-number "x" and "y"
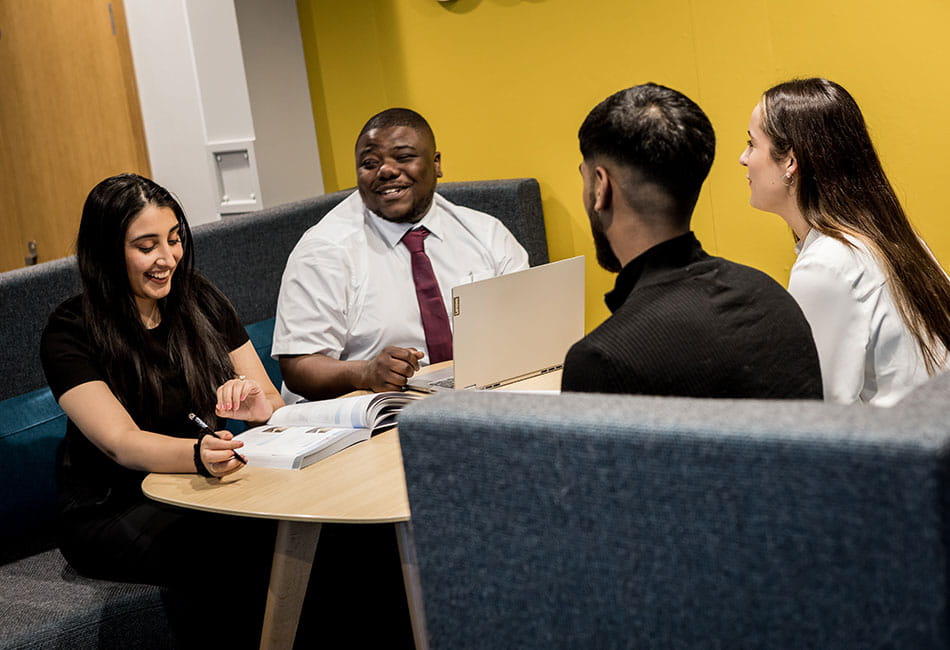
{"x": 234, "y": 168}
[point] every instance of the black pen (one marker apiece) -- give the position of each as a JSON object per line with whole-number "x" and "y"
{"x": 208, "y": 431}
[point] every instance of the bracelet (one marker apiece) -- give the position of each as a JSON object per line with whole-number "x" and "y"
{"x": 200, "y": 466}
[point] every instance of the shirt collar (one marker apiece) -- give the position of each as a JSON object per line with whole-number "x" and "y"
{"x": 802, "y": 244}
{"x": 392, "y": 233}
{"x": 670, "y": 254}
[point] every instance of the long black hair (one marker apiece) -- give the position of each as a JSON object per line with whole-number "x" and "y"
{"x": 843, "y": 190}
{"x": 109, "y": 308}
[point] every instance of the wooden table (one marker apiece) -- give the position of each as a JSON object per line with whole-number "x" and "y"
{"x": 363, "y": 484}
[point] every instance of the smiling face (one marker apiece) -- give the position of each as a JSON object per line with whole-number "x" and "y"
{"x": 396, "y": 172}
{"x": 770, "y": 189}
{"x": 152, "y": 250}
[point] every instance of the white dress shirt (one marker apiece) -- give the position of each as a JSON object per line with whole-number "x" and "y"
{"x": 347, "y": 291}
{"x": 865, "y": 349}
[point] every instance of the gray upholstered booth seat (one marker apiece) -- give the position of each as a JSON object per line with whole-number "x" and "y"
{"x": 43, "y": 603}
{"x": 594, "y": 521}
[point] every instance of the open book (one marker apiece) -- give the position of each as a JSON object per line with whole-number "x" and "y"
{"x": 300, "y": 434}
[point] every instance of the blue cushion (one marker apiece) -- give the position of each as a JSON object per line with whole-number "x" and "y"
{"x": 31, "y": 426}
{"x": 262, "y": 337}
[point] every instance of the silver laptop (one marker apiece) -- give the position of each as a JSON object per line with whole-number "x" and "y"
{"x": 512, "y": 327}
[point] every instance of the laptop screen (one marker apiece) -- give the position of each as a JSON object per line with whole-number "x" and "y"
{"x": 517, "y": 325}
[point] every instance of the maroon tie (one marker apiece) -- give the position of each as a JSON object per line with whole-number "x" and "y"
{"x": 435, "y": 321}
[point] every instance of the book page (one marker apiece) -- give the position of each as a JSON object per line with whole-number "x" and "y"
{"x": 283, "y": 440}
{"x": 343, "y": 412}
{"x": 360, "y": 411}
{"x": 273, "y": 445}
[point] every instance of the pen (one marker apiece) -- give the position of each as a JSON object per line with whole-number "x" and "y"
{"x": 208, "y": 431}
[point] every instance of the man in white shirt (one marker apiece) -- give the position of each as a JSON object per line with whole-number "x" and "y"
{"x": 348, "y": 314}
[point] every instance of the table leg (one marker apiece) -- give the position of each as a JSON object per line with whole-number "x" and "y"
{"x": 290, "y": 572}
{"x": 410, "y": 577}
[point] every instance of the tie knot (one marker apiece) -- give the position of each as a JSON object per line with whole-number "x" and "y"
{"x": 414, "y": 239}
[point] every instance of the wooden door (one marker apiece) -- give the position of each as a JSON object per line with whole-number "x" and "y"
{"x": 69, "y": 117}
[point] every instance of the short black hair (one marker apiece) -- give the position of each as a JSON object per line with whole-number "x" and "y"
{"x": 658, "y": 133}
{"x": 399, "y": 117}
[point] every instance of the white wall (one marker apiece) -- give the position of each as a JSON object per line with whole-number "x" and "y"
{"x": 194, "y": 93}
{"x": 171, "y": 103}
{"x": 287, "y": 159}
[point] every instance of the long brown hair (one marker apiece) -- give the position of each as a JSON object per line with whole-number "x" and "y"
{"x": 843, "y": 190}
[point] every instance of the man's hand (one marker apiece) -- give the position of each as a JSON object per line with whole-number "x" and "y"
{"x": 390, "y": 369}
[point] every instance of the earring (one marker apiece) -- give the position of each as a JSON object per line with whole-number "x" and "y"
{"x": 788, "y": 180}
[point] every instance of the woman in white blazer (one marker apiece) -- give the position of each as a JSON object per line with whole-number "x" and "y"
{"x": 877, "y": 300}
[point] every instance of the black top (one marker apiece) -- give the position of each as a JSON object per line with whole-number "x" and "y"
{"x": 686, "y": 323}
{"x": 88, "y": 477}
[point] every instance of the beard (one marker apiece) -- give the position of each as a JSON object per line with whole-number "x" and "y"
{"x": 605, "y": 254}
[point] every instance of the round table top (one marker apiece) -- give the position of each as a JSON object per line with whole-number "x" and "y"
{"x": 364, "y": 483}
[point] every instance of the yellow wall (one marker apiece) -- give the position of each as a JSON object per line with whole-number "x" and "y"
{"x": 506, "y": 83}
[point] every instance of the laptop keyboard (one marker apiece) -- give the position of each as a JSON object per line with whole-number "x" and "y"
{"x": 448, "y": 382}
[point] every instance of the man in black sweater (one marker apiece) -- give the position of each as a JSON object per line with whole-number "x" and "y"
{"x": 683, "y": 322}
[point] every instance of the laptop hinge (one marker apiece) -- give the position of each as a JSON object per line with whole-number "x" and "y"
{"x": 506, "y": 382}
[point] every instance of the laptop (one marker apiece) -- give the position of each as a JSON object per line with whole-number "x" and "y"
{"x": 512, "y": 327}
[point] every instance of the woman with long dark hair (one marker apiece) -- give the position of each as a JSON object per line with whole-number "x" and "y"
{"x": 147, "y": 342}
{"x": 877, "y": 300}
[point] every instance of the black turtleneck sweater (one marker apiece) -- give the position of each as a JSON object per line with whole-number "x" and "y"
{"x": 686, "y": 323}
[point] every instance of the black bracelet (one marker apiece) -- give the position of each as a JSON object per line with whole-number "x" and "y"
{"x": 200, "y": 466}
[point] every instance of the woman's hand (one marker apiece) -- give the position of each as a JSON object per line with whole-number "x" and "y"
{"x": 218, "y": 454}
{"x": 243, "y": 399}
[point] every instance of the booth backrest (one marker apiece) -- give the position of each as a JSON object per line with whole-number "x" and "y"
{"x": 31, "y": 422}
{"x": 594, "y": 521}
{"x": 27, "y": 298}
{"x": 243, "y": 255}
